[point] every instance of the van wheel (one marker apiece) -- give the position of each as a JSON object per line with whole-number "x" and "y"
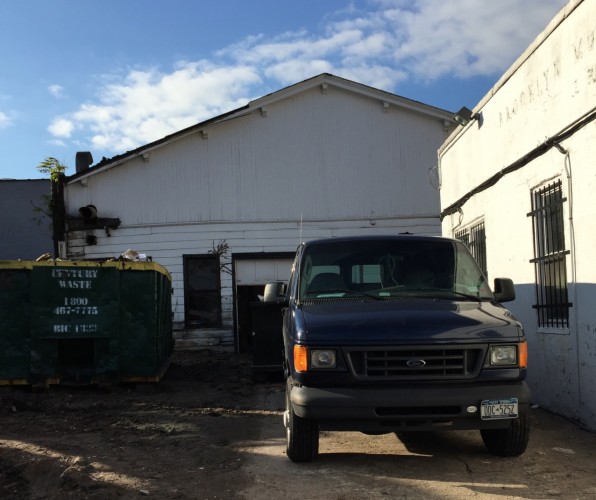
{"x": 302, "y": 435}
{"x": 509, "y": 442}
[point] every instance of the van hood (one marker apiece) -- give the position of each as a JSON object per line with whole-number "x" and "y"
{"x": 409, "y": 320}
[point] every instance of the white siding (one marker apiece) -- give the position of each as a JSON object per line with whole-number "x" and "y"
{"x": 551, "y": 87}
{"x": 333, "y": 156}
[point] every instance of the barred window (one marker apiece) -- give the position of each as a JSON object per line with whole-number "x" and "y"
{"x": 474, "y": 238}
{"x": 552, "y": 303}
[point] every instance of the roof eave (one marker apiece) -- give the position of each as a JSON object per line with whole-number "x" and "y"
{"x": 109, "y": 163}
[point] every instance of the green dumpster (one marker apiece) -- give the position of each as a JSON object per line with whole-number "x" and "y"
{"x": 84, "y": 322}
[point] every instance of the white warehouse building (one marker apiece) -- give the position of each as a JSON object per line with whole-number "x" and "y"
{"x": 224, "y": 204}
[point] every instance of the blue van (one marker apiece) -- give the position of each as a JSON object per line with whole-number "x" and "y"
{"x": 397, "y": 334}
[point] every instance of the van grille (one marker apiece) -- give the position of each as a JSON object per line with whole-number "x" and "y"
{"x": 416, "y": 363}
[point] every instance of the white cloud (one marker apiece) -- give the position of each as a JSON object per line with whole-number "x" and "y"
{"x": 425, "y": 40}
{"x": 5, "y": 120}
{"x": 56, "y": 91}
{"x": 465, "y": 38}
{"x": 148, "y": 105}
{"x": 369, "y": 46}
{"x": 57, "y": 142}
{"x": 292, "y": 71}
{"x": 61, "y": 127}
{"x": 391, "y": 41}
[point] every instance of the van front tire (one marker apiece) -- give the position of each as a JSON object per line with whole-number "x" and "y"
{"x": 302, "y": 435}
{"x": 509, "y": 442}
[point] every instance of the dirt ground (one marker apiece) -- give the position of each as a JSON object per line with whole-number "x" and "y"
{"x": 208, "y": 431}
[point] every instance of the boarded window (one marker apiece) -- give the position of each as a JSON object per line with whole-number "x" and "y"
{"x": 202, "y": 295}
{"x": 550, "y": 262}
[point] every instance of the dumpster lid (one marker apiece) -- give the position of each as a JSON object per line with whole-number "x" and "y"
{"x": 122, "y": 265}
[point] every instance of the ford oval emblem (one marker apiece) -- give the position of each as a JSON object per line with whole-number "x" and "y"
{"x": 416, "y": 363}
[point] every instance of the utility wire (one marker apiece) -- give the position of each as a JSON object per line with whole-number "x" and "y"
{"x": 523, "y": 161}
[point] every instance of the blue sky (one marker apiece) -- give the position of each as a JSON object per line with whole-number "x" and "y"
{"x": 107, "y": 76}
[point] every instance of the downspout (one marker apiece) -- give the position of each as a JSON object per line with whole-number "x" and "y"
{"x": 572, "y": 249}
{"x": 58, "y": 216}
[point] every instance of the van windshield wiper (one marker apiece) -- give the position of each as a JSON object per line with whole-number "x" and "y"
{"x": 345, "y": 290}
{"x": 468, "y": 296}
{"x": 450, "y": 292}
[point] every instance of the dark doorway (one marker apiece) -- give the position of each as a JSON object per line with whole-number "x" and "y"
{"x": 251, "y": 272}
{"x": 245, "y": 295}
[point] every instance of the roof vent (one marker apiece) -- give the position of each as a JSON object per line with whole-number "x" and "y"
{"x": 83, "y": 160}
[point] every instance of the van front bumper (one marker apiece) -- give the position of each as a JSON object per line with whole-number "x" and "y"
{"x": 405, "y": 408}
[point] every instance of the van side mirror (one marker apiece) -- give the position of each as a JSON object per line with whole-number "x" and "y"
{"x": 504, "y": 290}
{"x": 275, "y": 293}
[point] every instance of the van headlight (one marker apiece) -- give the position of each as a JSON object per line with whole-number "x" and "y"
{"x": 503, "y": 355}
{"x": 323, "y": 358}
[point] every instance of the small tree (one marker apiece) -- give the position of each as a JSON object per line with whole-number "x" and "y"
{"x": 52, "y": 167}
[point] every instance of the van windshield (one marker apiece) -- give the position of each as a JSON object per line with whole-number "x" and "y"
{"x": 391, "y": 268}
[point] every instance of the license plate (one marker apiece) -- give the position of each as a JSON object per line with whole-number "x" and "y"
{"x": 496, "y": 409}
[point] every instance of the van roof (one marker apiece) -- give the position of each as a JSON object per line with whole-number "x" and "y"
{"x": 388, "y": 237}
